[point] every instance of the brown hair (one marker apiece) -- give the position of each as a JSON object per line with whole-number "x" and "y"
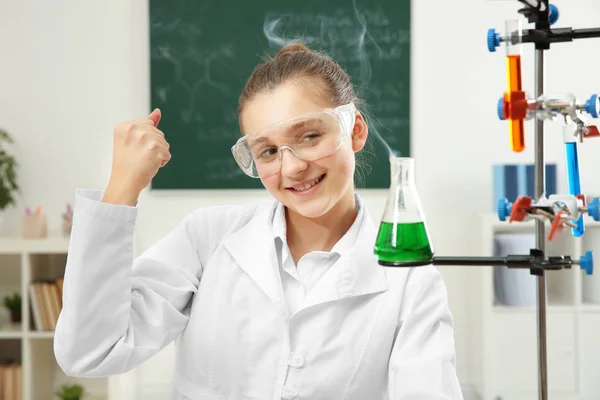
{"x": 295, "y": 61}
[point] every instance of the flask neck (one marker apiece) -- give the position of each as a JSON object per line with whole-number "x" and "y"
{"x": 402, "y": 171}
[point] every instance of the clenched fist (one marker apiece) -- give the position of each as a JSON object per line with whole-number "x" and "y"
{"x": 139, "y": 150}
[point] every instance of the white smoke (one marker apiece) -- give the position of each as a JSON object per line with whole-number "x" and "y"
{"x": 343, "y": 36}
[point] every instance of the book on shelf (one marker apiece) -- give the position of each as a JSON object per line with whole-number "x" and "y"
{"x": 11, "y": 381}
{"x": 46, "y": 303}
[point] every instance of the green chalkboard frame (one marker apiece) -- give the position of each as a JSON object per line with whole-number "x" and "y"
{"x": 202, "y": 53}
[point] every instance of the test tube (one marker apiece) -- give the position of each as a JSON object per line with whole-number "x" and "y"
{"x": 513, "y": 71}
{"x": 572, "y": 164}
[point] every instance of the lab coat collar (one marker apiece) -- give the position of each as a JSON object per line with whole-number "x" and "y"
{"x": 356, "y": 273}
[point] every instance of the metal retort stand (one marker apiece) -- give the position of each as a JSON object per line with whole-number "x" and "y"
{"x": 537, "y": 12}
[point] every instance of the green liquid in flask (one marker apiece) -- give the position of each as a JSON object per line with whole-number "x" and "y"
{"x": 406, "y": 245}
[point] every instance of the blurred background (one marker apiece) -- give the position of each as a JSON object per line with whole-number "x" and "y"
{"x": 71, "y": 70}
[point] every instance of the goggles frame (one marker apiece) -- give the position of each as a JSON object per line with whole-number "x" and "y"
{"x": 345, "y": 115}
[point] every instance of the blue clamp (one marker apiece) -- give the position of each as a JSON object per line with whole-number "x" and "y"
{"x": 553, "y": 15}
{"x": 586, "y": 262}
{"x": 592, "y": 106}
{"x": 493, "y": 37}
{"x": 493, "y": 40}
{"x": 593, "y": 208}
{"x": 504, "y": 208}
{"x": 500, "y": 109}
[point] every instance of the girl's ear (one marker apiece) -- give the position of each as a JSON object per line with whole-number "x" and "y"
{"x": 359, "y": 133}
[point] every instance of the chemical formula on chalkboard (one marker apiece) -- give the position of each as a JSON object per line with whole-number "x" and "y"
{"x": 202, "y": 53}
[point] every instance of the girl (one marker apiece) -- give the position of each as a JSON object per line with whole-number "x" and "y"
{"x": 283, "y": 300}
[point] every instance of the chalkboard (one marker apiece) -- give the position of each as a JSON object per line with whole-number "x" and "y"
{"x": 202, "y": 52}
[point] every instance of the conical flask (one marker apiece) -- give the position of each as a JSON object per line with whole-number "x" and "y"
{"x": 403, "y": 239}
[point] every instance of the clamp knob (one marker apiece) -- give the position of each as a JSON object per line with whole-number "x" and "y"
{"x": 493, "y": 40}
{"x": 586, "y": 262}
{"x": 593, "y": 208}
{"x": 553, "y": 15}
{"x": 500, "y": 109}
{"x": 592, "y": 106}
{"x": 504, "y": 208}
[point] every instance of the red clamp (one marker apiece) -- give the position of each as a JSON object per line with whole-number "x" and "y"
{"x": 517, "y": 107}
{"x": 557, "y": 224}
{"x": 520, "y": 208}
{"x": 592, "y": 131}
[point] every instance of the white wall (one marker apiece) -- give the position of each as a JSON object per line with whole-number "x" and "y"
{"x": 71, "y": 70}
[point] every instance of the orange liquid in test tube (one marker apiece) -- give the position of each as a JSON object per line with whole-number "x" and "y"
{"x": 513, "y": 67}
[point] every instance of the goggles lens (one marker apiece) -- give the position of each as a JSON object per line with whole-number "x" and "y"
{"x": 310, "y": 137}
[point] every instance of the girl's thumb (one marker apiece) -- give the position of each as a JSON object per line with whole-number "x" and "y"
{"x": 155, "y": 116}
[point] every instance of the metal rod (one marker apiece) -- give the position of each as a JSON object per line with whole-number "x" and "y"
{"x": 512, "y": 261}
{"x": 470, "y": 261}
{"x": 539, "y": 188}
{"x": 586, "y": 33}
{"x": 557, "y": 35}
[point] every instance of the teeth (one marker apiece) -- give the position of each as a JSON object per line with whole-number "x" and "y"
{"x": 308, "y": 185}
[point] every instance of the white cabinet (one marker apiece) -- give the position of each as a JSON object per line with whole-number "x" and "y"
{"x": 23, "y": 261}
{"x": 590, "y": 355}
{"x": 514, "y": 351}
{"x": 505, "y": 342}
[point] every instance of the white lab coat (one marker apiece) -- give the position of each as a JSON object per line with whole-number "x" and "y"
{"x": 363, "y": 333}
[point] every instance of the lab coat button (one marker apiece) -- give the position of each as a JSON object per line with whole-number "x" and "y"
{"x": 296, "y": 360}
{"x": 289, "y": 392}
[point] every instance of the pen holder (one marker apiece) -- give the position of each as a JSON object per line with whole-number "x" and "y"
{"x": 34, "y": 226}
{"x": 67, "y": 224}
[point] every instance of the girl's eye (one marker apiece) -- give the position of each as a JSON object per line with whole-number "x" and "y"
{"x": 268, "y": 152}
{"x": 311, "y": 137}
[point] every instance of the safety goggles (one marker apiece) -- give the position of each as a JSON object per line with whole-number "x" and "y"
{"x": 309, "y": 137}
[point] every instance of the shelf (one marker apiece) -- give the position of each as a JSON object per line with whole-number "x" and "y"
{"x": 590, "y": 308}
{"x": 558, "y": 309}
{"x": 48, "y": 377}
{"x": 45, "y": 294}
{"x": 513, "y": 346}
{"x": 41, "y": 335}
{"x": 8, "y": 330}
{"x": 506, "y": 346}
{"x": 10, "y": 283}
{"x": 11, "y": 360}
{"x": 590, "y": 325}
{"x": 517, "y": 287}
{"x": 590, "y": 284}
{"x": 50, "y": 245}
{"x": 33, "y": 268}
{"x": 10, "y": 350}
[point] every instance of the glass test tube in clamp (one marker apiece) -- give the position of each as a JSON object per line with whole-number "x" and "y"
{"x": 514, "y": 81}
{"x": 513, "y": 41}
{"x": 572, "y": 164}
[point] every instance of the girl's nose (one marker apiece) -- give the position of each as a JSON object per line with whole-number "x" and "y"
{"x": 290, "y": 163}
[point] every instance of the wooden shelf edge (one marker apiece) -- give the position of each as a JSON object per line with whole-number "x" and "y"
{"x": 556, "y": 308}
{"x": 49, "y": 245}
{"x": 590, "y": 308}
{"x": 9, "y": 330}
{"x": 11, "y": 335}
{"x": 40, "y": 335}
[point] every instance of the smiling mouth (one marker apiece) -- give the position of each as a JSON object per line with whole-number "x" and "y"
{"x": 306, "y": 186}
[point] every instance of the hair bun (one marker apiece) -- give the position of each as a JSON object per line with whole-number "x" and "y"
{"x": 292, "y": 48}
